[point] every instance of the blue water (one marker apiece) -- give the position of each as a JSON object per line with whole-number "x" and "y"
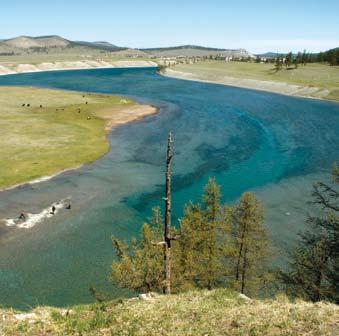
{"x": 247, "y": 139}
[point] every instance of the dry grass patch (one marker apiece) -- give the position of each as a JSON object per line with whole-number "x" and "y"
{"x": 217, "y": 312}
{"x": 323, "y": 77}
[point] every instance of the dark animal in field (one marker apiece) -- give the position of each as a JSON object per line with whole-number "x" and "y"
{"x": 40, "y": 106}
{"x": 28, "y": 105}
{"x": 23, "y": 105}
{"x": 86, "y": 103}
{"x": 53, "y": 210}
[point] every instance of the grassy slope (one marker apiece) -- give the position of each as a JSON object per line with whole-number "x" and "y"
{"x": 217, "y": 312}
{"x": 318, "y": 75}
{"x": 36, "y": 141}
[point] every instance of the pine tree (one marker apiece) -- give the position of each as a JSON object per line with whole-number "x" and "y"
{"x": 278, "y": 63}
{"x": 210, "y": 256}
{"x": 288, "y": 60}
{"x": 204, "y": 246}
{"x": 313, "y": 271}
{"x": 304, "y": 58}
{"x": 250, "y": 243}
{"x": 189, "y": 246}
{"x": 140, "y": 267}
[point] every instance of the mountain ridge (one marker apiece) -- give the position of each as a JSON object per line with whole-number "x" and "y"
{"x": 24, "y": 44}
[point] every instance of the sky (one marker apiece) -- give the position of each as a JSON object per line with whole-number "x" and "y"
{"x": 258, "y": 25}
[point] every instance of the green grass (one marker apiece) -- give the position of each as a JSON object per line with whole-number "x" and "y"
{"x": 216, "y": 312}
{"x": 311, "y": 75}
{"x": 36, "y": 141}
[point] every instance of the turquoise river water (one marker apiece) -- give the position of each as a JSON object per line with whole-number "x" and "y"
{"x": 274, "y": 145}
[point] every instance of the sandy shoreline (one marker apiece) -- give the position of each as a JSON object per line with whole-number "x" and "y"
{"x": 11, "y": 69}
{"x": 254, "y": 84}
{"x": 114, "y": 117}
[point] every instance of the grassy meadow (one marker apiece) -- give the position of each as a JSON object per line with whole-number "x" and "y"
{"x": 311, "y": 75}
{"x": 64, "y": 132}
{"x": 215, "y": 312}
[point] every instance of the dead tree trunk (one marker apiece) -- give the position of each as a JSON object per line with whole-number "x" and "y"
{"x": 168, "y": 210}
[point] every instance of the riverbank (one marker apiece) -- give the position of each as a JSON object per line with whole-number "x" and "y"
{"x": 312, "y": 81}
{"x": 9, "y": 68}
{"x": 47, "y": 132}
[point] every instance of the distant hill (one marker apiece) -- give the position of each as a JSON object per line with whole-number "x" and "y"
{"x": 269, "y": 54}
{"x": 22, "y": 45}
{"x": 193, "y": 50}
{"x": 99, "y": 45}
{"x": 57, "y": 45}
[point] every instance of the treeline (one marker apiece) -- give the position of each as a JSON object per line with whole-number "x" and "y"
{"x": 302, "y": 58}
{"x": 218, "y": 245}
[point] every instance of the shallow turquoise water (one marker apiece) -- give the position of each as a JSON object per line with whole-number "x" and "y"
{"x": 246, "y": 139}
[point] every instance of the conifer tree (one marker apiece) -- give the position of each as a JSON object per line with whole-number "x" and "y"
{"x": 189, "y": 246}
{"x": 203, "y": 241}
{"x": 140, "y": 267}
{"x": 210, "y": 251}
{"x": 313, "y": 271}
{"x": 288, "y": 60}
{"x": 250, "y": 243}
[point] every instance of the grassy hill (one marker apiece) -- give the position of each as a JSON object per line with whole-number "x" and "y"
{"x": 57, "y": 45}
{"x": 194, "y": 51}
{"x": 216, "y": 312}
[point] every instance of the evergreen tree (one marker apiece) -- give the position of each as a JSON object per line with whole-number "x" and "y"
{"x": 313, "y": 272}
{"x": 250, "y": 243}
{"x": 278, "y": 63}
{"x": 299, "y": 58}
{"x": 202, "y": 239}
{"x": 288, "y": 60}
{"x": 304, "y": 58}
{"x": 209, "y": 243}
{"x": 140, "y": 268}
{"x": 216, "y": 243}
{"x": 189, "y": 246}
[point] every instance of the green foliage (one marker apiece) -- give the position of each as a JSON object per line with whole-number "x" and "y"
{"x": 203, "y": 239}
{"x": 217, "y": 246}
{"x": 313, "y": 272}
{"x": 278, "y": 63}
{"x": 140, "y": 267}
{"x": 288, "y": 59}
{"x": 250, "y": 243}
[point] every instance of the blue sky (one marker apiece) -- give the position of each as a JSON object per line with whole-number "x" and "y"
{"x": 258, "y": 25}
